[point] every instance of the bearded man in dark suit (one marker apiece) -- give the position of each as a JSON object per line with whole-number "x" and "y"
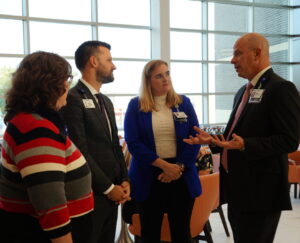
{"x": 92, "y": 127}
{"x": 262, "y": 129}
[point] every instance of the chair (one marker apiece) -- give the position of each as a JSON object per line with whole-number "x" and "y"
{"x": 219, "y": 209}
{"x": 298, "y": 172}
{"x": 203, "y": 206}
{"x": 124, "y": 236}
{"x": 293, "y": 177}
{"x": 126, "y": 153}
{"x": 294, "y": 160}
{"x": 295, "y": 157}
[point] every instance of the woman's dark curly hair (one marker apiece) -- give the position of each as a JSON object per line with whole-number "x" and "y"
{"x": 38, "y": 82}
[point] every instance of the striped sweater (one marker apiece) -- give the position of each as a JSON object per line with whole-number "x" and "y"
{"x": 43, "y": 174}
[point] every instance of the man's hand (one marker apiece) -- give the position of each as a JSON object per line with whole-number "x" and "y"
{"x": 126, "y": 189}
{"x": 236, "y": 142}
{"x": 117, "y": 194}
{"x": 201, "y": 137}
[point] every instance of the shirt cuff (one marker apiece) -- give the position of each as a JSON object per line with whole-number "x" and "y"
{"x": 109, "y": 189}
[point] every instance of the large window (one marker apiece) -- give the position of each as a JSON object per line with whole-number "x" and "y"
{"x": 194, "y": 36}
{"x": 203, "y": 41}
{"x": 60, "y": 26}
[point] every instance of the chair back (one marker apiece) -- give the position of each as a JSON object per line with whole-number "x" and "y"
{"x": 203, "y": 206}
{"x": 295, "y": 156}
{"x": 206, "y": 203}
{"x": 126, "y": 153}
{"x": 293, "y": 175}
{"x": 298, "y": 172}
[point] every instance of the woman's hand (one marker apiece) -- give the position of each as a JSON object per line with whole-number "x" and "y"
{"x": 171, "y": 171}
{"x": 164, "y": 178}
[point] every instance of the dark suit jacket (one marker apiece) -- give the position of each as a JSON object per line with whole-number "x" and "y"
{"x": 86, "y": 129}
{"x": 257, "y": 178}
{"x": 141, "y": 144}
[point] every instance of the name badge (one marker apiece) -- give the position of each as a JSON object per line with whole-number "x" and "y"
{"x": 180, "y": 116}
{"x": 256, "y": 95}
{"x": 88, "y": 103}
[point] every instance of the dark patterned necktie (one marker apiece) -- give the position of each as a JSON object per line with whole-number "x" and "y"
{"x": 102, "y": 110}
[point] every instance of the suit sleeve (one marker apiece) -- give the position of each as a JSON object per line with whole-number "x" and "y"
{"x": 133, "y": 136}
{"x": 188, "y": 153}
{"x": 73, "y": 114}
{"x": 284, "y": 105}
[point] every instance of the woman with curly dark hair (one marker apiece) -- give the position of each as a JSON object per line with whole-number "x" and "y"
{"x": 45, "y": 182}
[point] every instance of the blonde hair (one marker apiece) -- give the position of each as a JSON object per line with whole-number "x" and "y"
{"x": 146, "y": 97}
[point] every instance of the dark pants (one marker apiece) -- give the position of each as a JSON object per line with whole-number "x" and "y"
{"x": 104, "y": 220}
{"x": 250, "y": 227}
{"x": 21, "y": 228}
{"x": 172, "y": 198}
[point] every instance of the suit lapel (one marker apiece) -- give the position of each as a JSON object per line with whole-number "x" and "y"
{"x": 260, "y": 84}
{"x": 238, "y": 100}
{"x": 110, "y": 115}
{"x": 86, "y": 94}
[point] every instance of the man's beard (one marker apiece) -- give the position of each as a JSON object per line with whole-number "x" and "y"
{"x": 105, "y": 79}
{"x": 108, "y": 79}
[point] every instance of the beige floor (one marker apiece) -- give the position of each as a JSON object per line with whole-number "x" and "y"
{"x": 288, "y": 230}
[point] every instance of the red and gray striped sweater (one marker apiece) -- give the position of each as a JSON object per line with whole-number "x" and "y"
{"x": 43, "y": 174}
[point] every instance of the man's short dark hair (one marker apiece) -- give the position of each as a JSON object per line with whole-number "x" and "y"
{"x": 86, "y": 50}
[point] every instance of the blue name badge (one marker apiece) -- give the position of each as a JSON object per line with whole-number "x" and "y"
{"x": 256, "y": 95}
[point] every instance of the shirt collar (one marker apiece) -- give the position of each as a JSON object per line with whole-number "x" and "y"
{"x": 257, "y": 76}
{"x": 90, "y": 87}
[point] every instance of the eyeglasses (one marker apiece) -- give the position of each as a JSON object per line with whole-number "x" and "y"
{"x": 70, "y": 79}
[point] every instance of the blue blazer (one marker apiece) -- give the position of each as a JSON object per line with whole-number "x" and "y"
{"x": 140, "y": 140}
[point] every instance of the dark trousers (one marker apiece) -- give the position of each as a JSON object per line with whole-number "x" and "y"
{"x": 172, "y": 198}
{"x": 250, "y": 227}
{"x": 21, "y": 228}
{"x": 104, "y": 220}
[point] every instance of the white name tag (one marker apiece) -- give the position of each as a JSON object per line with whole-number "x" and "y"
{"x": 180, "y": 115}
{"x": 88, "y": 103}
{"x": 256, "y": 95}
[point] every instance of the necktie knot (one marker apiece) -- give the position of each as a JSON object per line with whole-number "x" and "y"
{"x": 98, "y": 95}
{"x": 249, "y": 86}
{"x": 100, "y": 101}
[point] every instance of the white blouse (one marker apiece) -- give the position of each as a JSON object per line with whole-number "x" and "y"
{"x": 163, "y": 129}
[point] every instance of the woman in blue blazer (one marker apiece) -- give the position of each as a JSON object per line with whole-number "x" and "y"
{"x": 163, "y": 174}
